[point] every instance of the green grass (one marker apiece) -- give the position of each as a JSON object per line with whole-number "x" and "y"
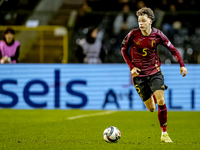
{"x": 50, "y": 129}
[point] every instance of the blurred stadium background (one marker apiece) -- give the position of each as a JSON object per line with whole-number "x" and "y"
{"x": 176, "y": 18}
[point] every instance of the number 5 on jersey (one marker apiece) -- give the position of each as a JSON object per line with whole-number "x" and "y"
{"x": 137, "y": 88}
{"x": 144, "y": 52}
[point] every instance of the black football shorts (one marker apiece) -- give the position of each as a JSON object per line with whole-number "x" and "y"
{"x": 146, "y": 86}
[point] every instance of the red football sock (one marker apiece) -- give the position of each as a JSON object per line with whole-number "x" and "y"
{"x": 154, "y": 98}
{"x": 162, "y": 117}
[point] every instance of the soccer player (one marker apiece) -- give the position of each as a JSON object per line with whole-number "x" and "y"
{"x": 144, "y": 64}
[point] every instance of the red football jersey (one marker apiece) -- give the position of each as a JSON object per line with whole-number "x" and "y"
{"x": 143, "y": 51}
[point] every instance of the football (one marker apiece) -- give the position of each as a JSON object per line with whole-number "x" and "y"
{"x": 111, "y": 134}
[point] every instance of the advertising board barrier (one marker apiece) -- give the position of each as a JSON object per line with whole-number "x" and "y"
{"x": 90, "y": 87}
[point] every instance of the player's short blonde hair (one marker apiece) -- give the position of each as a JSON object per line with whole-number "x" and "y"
{"x": 147, "y": 11}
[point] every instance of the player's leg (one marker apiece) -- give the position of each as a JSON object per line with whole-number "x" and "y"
{"x": 154, "y": 98}
{"x": 162, "y": 109}
{"x": 157, "y": 86}
{"x": 150, "y": 104}
{"x": 144, "y": 91}
{"x": 162, "y": 115}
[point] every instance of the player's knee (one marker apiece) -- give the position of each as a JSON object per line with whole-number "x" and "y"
{"x": 161, "y": 101}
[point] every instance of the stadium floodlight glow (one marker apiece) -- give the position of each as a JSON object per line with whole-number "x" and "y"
{"x": 32, "y": 23}
{"x": 60, "y": 31}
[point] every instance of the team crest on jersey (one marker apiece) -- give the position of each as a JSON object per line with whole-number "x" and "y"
{"x": 138, "y": 42}
{"x": 153, "y": 43}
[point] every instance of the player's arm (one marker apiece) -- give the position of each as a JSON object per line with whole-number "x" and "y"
{"x": 126, "y": 43}
{"x": 174, "y": 52}
{"x": 124, "y": 50}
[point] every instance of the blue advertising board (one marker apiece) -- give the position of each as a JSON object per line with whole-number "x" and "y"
{"x": 90, "y": 87}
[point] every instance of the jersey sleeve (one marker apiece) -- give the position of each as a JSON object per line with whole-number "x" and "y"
{"x": 126, "y": 43}
{"x": 172, "y": 49}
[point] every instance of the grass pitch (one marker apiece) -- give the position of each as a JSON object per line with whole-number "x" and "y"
{"x": 54, "y": 129}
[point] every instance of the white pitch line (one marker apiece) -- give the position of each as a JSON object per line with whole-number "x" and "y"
{"x": 89, "y": 115}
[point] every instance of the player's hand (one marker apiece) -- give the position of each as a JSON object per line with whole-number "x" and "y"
{"x": 5, "y": 59}
{"x": 183, "y": 71}
{"x": 135, "y": 71}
